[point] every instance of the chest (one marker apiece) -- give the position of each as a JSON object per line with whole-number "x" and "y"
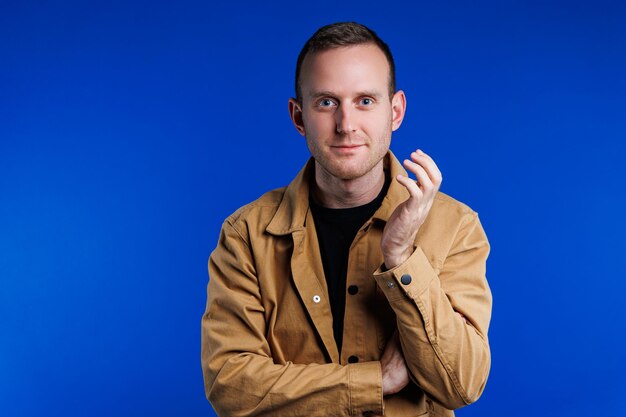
{"x": 296, "y": 299}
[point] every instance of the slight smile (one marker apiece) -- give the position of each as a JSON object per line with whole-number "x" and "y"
{"x": 347, "y": 147}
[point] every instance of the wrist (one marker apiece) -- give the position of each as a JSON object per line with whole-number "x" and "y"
{"x": 391, "y": 261}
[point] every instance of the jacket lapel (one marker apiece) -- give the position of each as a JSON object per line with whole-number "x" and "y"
{"x": 294, "y": 217}
{"x": 308, "y": 276}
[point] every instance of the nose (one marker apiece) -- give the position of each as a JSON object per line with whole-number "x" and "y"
{"x": 344, "y": 118}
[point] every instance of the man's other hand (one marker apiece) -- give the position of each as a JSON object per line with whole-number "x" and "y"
{"x": 395, "y": 372}
{"x": 405, "y": 221}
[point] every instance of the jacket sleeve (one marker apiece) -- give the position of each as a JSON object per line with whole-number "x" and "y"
{"x": 443, "y": 316}
{"x": 240, "y": 376}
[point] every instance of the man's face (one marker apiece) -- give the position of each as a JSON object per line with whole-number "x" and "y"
{"x": 346, "y": 113}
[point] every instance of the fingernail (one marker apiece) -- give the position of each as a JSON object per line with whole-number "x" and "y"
{"x": 419, "y": 151}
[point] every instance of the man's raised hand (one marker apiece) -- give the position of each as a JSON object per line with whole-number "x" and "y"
{"x": 407, "y": 218}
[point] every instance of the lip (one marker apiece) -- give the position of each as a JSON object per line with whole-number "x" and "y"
{"x": 346, "y": 149}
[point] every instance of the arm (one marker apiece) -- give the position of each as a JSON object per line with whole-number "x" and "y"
{"x": 241, "y": 378}
{"x": 443, "y": 317}
{"x": 442, "y": 314}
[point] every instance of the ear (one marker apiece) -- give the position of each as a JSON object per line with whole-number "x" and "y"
{"x": 295, "y": 112}
{"x": 398, "y": 108}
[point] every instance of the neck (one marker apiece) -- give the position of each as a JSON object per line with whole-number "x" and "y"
{"x": 333, "y": 192}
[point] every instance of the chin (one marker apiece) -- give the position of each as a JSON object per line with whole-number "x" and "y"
{"x": 347, "y": 173}
{"x": 345, "y": 168}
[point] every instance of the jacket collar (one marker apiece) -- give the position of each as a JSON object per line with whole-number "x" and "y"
{"x": 293, "y": 209}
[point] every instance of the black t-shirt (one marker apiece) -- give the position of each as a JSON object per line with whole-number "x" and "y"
{"x": 336, "y": 229}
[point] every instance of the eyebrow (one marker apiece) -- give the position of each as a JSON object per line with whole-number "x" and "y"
{"x": 371, "y": 93}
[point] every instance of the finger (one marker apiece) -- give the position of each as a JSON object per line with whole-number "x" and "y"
{"x": 420, "y": 173}
{"x": 425, "y": 183}
{"x": 411, "y": 187}
{"x": 429, "y": 165}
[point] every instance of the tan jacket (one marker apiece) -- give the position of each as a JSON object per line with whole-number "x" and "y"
{"x": 267, "y": 336}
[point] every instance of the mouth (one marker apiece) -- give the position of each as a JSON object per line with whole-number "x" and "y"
{"x": 346, "y": 149}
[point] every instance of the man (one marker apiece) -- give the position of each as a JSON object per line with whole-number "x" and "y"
{"x": 354, "y": 291}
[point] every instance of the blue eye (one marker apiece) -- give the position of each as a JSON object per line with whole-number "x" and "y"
{"x": 326, "y": 102}
{"x": 366, "y": 101}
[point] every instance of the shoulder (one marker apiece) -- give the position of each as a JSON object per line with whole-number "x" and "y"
{"x": 448, "y": 206}
{"x": 448, "y": 214}
{"x": 448, "y": 221}
{"x": 257, "y": 214}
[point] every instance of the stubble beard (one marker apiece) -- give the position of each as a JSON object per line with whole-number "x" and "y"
{"x": 337, "y": 167}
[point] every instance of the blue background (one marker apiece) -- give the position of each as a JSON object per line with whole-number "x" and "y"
{"x": 130, "y": 130}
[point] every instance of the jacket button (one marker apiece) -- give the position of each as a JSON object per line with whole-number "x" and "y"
{"x": 406, "y": 279}
{"x": 353, "y": 359}
{"x": 353, "y": 289}
{"x": 317, "y": 298}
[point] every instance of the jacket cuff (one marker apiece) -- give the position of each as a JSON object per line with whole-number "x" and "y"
{"x": 410, "y": 278}
{"x": 366, "y": 389}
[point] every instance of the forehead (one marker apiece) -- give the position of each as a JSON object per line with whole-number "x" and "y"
{"x": 345, "y": 70}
